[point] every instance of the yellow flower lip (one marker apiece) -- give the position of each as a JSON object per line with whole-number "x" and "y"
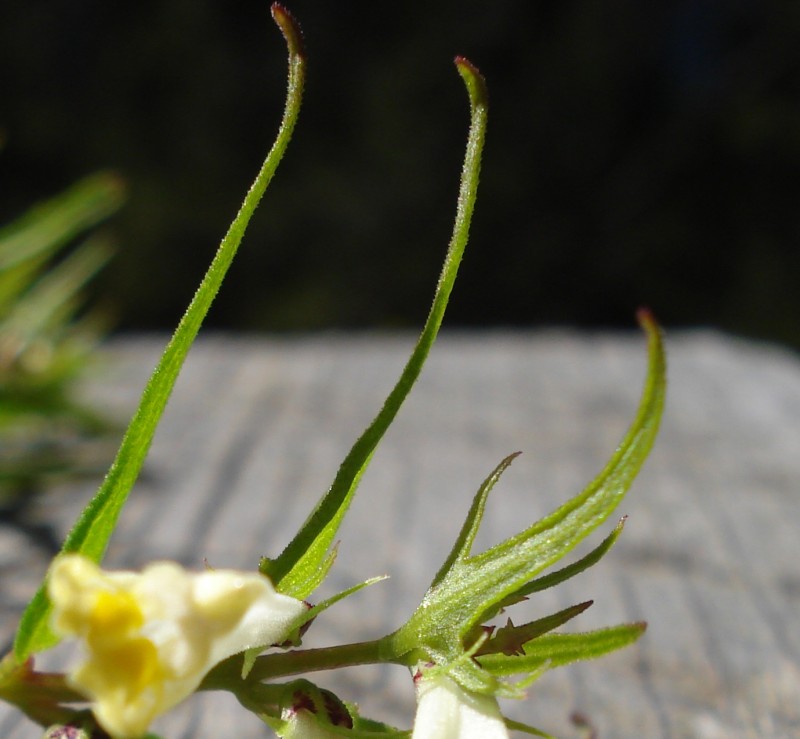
{"x": 115, "y": 613}
{"x": 151, "y": 637}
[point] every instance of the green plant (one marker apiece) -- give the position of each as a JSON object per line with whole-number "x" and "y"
{"x": 45, "y": 339}
{"x": 154, "y": 637}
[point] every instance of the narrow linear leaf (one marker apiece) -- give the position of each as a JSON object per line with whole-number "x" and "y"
{"x": 54, "y": 298}
{"x": 352, "y": 590}
{"x": 303, "y": 564}
{"x": 466, "y": 537}
{"x": 555, "y": 650}
{"x": 46, "y": 227}
{"x": 91, "y": 532}
{"x": 526, "y": 729}
{"x": 565, "y": 573}
{"x": 556, "y": 578}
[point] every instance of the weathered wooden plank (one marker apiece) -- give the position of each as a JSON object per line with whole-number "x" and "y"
{"x": 257, "y": 427}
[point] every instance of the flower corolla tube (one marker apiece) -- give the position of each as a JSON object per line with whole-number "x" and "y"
{"x": 446, "y": 711}
{"x": 152, "y": 636}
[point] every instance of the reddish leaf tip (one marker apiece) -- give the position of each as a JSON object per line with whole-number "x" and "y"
{"x": 645, "y": 318}
{"x": 476, "y": 84}
{"x": 290, "y": 28}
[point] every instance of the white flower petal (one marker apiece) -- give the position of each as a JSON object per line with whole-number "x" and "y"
{"x": 446, "y": 711}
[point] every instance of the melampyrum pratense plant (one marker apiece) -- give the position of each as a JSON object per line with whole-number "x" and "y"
{"x": 154, "y": 637}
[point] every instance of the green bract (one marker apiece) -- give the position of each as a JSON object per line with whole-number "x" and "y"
{"x": 470, "y": 589}
{"x": 461, "y": 664}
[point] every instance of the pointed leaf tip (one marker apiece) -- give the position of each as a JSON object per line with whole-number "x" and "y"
{"x": 290, "y": 29}
{"x": 474, "y": 80}
{"x": 646, "y": 319}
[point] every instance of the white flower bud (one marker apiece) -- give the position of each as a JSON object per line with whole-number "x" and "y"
{"x": 446, "y": 711}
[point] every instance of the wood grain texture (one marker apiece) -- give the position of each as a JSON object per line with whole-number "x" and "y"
{"x": 709, "y": 557}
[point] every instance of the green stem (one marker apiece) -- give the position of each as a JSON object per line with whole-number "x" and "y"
{"x": 227, "y": 674}
{"x": 39, "y": 695}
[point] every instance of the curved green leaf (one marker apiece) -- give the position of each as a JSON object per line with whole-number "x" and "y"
{"x": 93, "y": 529}
{"x": 305, "y": 561}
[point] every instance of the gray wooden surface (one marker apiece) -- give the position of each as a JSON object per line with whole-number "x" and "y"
{"x": 709, "y": 556}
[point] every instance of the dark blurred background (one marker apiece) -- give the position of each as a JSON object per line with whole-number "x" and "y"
{"x": 638, "y": 153}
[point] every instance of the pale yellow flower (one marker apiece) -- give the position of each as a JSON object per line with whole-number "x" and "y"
{"x": 152, "y": 636}
{"x": 446, "y": 711}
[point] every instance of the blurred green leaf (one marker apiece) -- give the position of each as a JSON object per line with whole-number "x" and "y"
{"x": 45, "y": 338}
